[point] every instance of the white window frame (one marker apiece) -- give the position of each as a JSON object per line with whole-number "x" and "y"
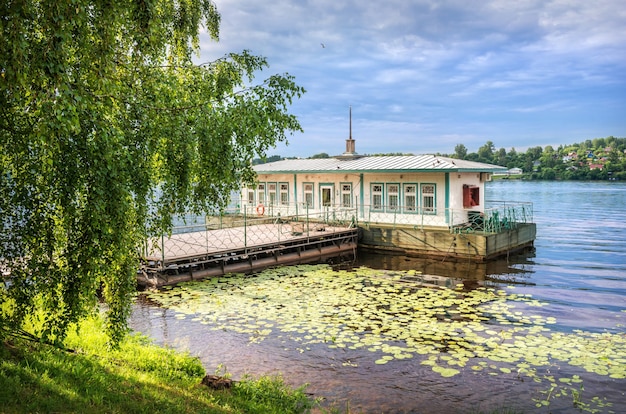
{"x": 346, "y": 194}
{"x": 377, "y": 194}
{"x": 407, "y": 205}
{"x": 272, "y": 193}
{"x": 309, "y": 197}
{"x": 251, "y": 195}
{"x": 260, "y": 190}
{"x": 283, "y": 189}
{"x": 393, "y": 197}
{"x": 428, "y": 199}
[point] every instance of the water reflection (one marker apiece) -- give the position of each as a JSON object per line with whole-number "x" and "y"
{"x": 516, "y": 269}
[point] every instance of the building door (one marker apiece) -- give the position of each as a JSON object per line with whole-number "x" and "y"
{"x": 326, "y": 192}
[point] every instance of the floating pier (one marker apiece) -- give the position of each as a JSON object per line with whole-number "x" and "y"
{"x": 194, "y": 255}
{"x": 251, "y": 240}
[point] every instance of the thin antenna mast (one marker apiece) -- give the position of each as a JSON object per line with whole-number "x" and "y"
{"x": 350, "y": 144}
{"x": 350, "y": 121}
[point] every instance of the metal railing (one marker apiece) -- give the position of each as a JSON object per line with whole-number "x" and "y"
{"x": 247, "y": 227}
{"x": 395, "y": 215}
{"x": 499, "y": 216}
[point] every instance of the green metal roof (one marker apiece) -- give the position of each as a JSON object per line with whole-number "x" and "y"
{"x": 396, "y": 163}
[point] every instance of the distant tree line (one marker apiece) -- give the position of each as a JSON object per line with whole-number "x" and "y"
{"x": 593, "y": 159}
{"x": 265, "y": 160}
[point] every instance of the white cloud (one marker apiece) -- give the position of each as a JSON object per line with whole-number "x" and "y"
{"x": 425, "y": 73}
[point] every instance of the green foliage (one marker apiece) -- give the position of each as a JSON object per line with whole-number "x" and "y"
{"x": 485, "y": 153}
{"x": 139, "y": 377}
{"x": 320, "y": 155}
{"x": 107, "y": 129}
{"x": 460, "y": 151}
{"x": 270, "y": 395}
{"x": 272, "y": 158}
{"x": 597, "y": 159}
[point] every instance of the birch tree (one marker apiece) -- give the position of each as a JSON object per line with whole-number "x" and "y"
{"x": 107, "y": 129}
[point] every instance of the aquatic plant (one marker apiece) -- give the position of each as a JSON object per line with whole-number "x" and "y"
{"x": 395, "y": 315}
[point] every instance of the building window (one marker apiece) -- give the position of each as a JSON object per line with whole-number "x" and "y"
{"x": 428, "y": 198}
{"x": 271, "y": 193}
{"x": 308, "y": 195}
{"x": 346, "y": 195}
{"x": 250, "y": 196}
{"x": 393, "y": 197}
{"x": 377, "y": 196}
{"x": 410, "y": 198}
{"x": 261, "y": 193}
{"x": 284, "y": 194}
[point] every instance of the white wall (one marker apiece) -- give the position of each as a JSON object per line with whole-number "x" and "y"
{"x": 457, "y": 180}
{"x": 439, "y": 218}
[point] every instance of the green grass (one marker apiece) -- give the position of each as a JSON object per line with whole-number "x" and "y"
{"x": 139, "y": 377}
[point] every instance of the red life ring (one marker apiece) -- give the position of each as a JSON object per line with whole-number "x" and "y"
{"x": 260, "y": 209}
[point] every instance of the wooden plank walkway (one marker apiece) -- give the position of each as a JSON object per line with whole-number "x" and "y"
{"x": 199, "y": 254}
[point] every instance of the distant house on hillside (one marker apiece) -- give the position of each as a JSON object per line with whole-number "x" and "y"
{"x": 512, "y": 171}
{"x": 536, "y": 165}
{"x": 570, "y": 157}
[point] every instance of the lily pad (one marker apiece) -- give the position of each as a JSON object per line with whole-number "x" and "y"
{"x": 378, "y": 311}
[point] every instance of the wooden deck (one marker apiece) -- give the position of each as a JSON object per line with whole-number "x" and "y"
{"x": 195, "y": 255}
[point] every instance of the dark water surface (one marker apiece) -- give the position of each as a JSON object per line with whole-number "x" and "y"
{"x": 578, "y": 268}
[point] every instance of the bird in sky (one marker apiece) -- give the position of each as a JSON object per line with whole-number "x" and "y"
{"x": 324, "y": 46}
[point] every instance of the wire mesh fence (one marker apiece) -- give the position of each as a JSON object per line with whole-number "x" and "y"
{"x": 244, "y": 228}
{"x": 253, "y": 227}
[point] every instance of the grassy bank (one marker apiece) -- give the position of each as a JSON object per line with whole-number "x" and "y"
{"x": 138, "y": 378}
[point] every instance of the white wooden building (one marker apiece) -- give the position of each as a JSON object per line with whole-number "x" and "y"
{"x": 431, "y": 190}
{"x": 419, "y": 192}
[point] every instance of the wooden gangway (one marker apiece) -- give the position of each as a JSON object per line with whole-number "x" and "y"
{"x": 213, "y": 252}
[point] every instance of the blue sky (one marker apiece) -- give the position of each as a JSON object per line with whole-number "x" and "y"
{"x": 423, "y": 76}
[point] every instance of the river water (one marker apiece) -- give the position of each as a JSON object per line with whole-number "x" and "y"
{"x": 578, "y": 269}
